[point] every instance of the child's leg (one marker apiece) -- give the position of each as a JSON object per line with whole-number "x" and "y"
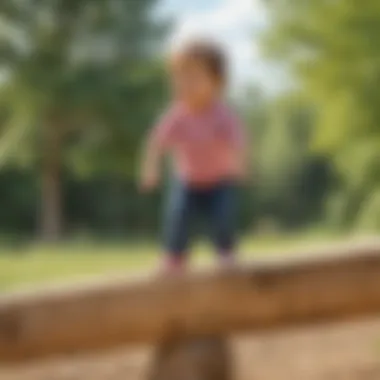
{"x": 223, "y": 209}
{"x": 176, "y": 226}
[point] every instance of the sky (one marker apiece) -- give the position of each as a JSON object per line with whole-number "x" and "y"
{"x": 235, "y": 24}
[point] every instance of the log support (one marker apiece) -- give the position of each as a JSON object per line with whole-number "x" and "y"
{"x": 192, "y": 358}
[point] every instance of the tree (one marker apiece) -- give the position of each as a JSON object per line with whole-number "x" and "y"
{"x": 293, "y": 179}
{"x": 80, "y": 81}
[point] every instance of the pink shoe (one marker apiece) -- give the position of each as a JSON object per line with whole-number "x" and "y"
{"x": 227, "y": 261}
{"x": 174, "y": 265}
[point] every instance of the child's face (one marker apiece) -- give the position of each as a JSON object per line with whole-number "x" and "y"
{"x": 193, "y": 83}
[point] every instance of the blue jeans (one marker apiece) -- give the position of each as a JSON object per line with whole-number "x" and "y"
{"x": 217, "y": 204}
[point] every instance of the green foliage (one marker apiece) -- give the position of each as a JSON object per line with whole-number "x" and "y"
{"x": 331, "y": 48}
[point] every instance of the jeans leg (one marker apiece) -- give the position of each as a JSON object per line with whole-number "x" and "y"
{"x": 223, "y": 209}
{"x": 177, "y": 220}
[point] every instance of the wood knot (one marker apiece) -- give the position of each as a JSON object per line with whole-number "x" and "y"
{"x": 264, "y": 281}
{"x": 10, "y": 327}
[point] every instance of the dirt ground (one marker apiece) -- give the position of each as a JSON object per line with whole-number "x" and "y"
{"x": 349, "y": 351}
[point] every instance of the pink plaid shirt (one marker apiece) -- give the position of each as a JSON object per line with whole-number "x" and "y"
{"x": 206, "y": 147}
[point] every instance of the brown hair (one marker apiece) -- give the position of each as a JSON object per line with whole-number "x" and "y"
{"x": 209, "y": 54}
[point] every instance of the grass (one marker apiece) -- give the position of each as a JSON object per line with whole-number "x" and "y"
{"x": 40, "y": 265}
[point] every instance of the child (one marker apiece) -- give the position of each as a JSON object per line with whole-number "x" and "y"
{"x": 206, "y": 142}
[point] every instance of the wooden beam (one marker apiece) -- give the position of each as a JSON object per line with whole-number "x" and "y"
{"x": 344, "y": 283}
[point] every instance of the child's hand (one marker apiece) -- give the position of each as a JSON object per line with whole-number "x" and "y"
{"x": 149, "y": 180}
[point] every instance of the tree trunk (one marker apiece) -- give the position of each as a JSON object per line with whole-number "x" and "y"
{"x": 51, "y": 202}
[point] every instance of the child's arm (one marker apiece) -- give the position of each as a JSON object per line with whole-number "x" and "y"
{"x": 157, "y": 144}
{"x": 150, "y": 166}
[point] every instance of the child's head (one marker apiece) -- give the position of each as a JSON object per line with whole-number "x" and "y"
{"x": 198, "y": 72}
